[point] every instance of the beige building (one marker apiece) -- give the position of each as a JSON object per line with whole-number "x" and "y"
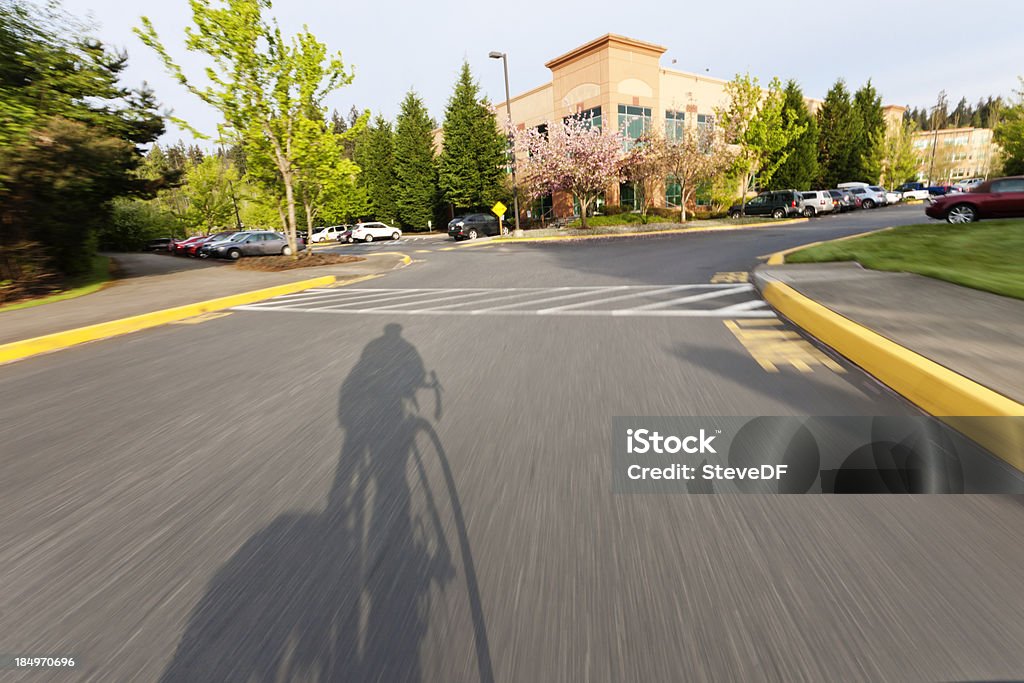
{"x": 954, "y": 154}
{"x": 619, "y": 82}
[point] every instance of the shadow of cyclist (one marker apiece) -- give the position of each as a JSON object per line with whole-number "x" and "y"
{"x": 345, "y": 594}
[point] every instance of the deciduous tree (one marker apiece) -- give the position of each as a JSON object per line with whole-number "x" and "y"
{"x": 570, "y": 157}
{"x": 759, "y": 126}
{"x": 264, "y": 86}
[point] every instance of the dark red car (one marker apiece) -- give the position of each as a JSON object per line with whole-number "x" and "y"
{"x": 180, "y": 248}
{"x": 998, "y": 198}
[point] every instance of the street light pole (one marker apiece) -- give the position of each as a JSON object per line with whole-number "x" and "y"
{"x": 508, "y": 111}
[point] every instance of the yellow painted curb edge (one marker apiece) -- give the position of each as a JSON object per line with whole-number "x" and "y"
{"x": 953, "y": 398}
{"x": 648, "y": 233}
{"x": 62, "y": 340}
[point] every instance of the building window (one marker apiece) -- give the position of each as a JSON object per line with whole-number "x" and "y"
{"x": 674, "y": 125}
{"x": 702, "y": 196}
{"x": 633, "y": 122}
{"x": 673, "y": 192}
{"x": 627, "y": 197}
{"x": 542, "y": 207}
{"x": 591, "y": 116}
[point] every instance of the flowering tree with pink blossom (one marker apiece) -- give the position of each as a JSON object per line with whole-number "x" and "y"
{"x": 571, "y": 157}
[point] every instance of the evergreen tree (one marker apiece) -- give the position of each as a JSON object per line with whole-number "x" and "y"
{"x": 800, "y": 168}
{"x": 471, "y": 164}
{"x": 415, "y": 167}
{"x": 867, "y": 152}
{"x": 374, "y": 153}
{"x": 838, "y": 129}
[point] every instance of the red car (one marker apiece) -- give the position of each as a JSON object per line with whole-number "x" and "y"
{"x": 181, "y": 248}
{"x": 998, "y": 198}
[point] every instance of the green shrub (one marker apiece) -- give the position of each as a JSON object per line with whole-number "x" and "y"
{"x": 132, "y": 223}
{"x": 611, "y": 209}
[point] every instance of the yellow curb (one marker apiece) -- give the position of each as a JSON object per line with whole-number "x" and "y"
{"x": 953, "y": 398}
{"x": 779, "y": 257}
{"x": 62, "y": 340}
{"x": 647, "y": 233}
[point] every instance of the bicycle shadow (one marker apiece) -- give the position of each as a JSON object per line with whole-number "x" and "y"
{"x": 345, "y": 594}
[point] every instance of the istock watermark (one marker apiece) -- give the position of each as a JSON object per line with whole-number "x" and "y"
{"x": 793, "y": 454}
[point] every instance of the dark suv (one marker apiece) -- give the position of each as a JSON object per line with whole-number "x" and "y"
{"x": 472, "y": 226}
{"x": 779, "y": 204}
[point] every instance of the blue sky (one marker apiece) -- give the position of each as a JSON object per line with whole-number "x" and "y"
{"x": 910, "y": 50}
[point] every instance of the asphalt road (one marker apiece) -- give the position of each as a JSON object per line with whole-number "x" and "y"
{"x": 405, "y": 483}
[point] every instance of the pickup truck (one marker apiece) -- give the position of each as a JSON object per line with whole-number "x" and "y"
{"x": 913, "y": 191}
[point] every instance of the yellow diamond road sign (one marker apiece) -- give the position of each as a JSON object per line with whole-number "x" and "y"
{"x": 499, "y": 209}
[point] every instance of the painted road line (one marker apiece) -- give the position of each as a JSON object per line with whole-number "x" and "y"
{"x": 649, "y": 292}
{"x": 478, "y": 293}
{"x": 735, "y": 276}
{"x": 593, "y": 301}
{"x": 406, "y": 294}
{"x": 774, "y": 347}
{"x": 581, "y": 291}
{"x": 669, "y": 303}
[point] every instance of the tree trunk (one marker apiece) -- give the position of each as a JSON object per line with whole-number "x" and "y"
{"x": 309, "y": 225}
{"x": 743, "y": 199}
{"x": 584, "y": 204}
{"x": 682, "y": 202}
{"x": 289, "y": 194}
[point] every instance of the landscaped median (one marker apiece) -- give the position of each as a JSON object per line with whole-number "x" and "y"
{"x": 951, "y": 351}
{"x": 61, "y": 340}
{"x": 987, "y": 255}
{"x": 641, "y": 230}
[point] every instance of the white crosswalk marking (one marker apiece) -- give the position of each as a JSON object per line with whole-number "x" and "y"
{"x": 700, "y": 300}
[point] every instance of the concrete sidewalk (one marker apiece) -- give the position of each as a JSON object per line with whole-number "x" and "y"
{"x": 176, "y": 282}
{"x": 973, "y": 333}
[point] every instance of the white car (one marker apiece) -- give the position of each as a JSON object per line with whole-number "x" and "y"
{"x": 968, "y": 185}
{"x": 893, "y": 197}
{"x": 368, "y": 232}
{"x": 817, "y": 201}
{"x": 913, "y": 191}
{"x": 328, "y": 234}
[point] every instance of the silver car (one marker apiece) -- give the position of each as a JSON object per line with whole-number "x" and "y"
{"x": 261, "y": 243}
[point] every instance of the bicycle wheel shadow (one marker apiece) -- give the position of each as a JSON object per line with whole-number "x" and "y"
{"x": 345, "y": 594}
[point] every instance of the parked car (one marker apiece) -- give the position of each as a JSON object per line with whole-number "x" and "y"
{"x": 345, "y": 235}
{"x": 194, "y": 248}
{"x": 998, "y": 198}
{"x": 180, "y": 248}
{"x": 883, "y": 196}
{"x": 817, "y": 201}
{"x": 368, "y": 232}
{"x": 778, "y": 204}
{"x": 330, "y": 233}
{"x": 844, "y": 200}
{"x": 473, "y": 225}
{"x": 893, "y": 197}
{"x": 968, "y": 185}
{"x": 159, "y": 244}
{"x": 913, "y": 191}
{"x": 869, "y": 197}
{"x": 256, "y": 243}
{"x": 939, "y": 190}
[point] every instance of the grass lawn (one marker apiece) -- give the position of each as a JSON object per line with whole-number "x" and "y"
{"x": 988, "y": 255}
{"x": 84, "y": 284}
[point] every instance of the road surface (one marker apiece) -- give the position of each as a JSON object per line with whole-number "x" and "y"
{"x": 410, "y": 480}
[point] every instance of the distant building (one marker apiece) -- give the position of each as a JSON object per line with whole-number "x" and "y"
{"x": 619, "y": 83}
{"x": 953, "y": 154}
